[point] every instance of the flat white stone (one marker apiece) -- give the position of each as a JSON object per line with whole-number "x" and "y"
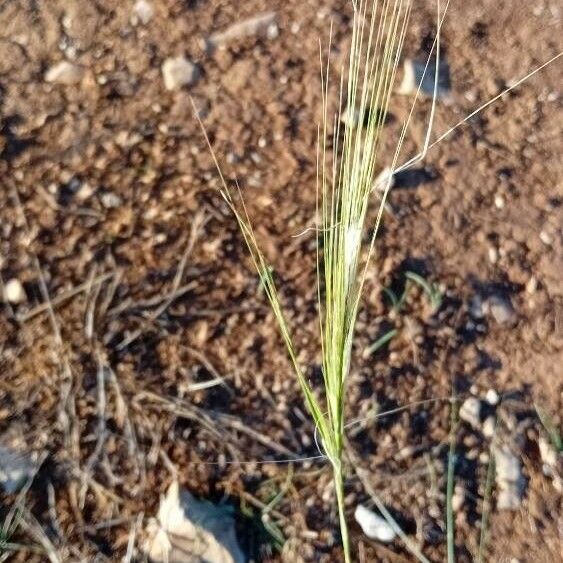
{"x": 178, "y": 72}
{"x": 374, "y": 527}
{"x": 65, "y": 72}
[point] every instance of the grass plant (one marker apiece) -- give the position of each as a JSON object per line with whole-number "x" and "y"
{"x": 347, "y": 158}
{"x": 347, "y": 162}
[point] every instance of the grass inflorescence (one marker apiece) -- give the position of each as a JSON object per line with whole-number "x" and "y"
{"x": 345, "y": 181}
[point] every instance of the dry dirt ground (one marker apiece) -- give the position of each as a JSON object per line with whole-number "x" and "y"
{"x": 138, "y": 289}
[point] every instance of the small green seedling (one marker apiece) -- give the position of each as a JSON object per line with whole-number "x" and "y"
{"x": 432, "y": 290}
{"x": 380, "y": 342}
{"x": 396, "y": 302}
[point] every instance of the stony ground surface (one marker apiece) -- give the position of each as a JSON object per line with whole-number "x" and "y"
{"x": 135, "y": 342}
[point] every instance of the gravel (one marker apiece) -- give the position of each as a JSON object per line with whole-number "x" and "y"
{"x": 414, "y": 75}
{"x": 470, "y": 412}
{"x": 492, "y": 397}
{"x": 374, "y": 527}
{"x": 501, "y": 309}
{"x": 178, "y": 72}
{"x": 509, "y": 479}
{"x": 142, "y": 13}
{"x": 111, "y": 200}
{"x": 14, "y": 292}
{"x": 65, "y": 73}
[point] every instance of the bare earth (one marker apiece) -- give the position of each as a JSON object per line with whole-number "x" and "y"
{"x": 109, "y": 211}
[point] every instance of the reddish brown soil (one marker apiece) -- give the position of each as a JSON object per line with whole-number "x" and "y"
{"x": 120, "y": 132}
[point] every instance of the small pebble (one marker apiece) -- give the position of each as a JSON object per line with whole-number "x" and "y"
{"x": 14, "y": 292}
{"x": 414, "y": 75}
{"x": 499, "y": 201}
{"x": 350, "y": 117}
{"x": 178, "y": 72}
{"x": 501, "y": 309}
{"x": 509, "y": 498}
{"x": 142, "y": 13}
{"x": 532, "y": 285}
{"x": 273, "y": 31}
{"x": 509, "y": 479}
{"x": 546, "y": 238}
{"x": 493, "y": 255}
{"x": 492, "y": 397}
{"x": 374, "y": 527}
{"x": 405, "y": 453}
{"x": 65, "y": 72}
{"x": 470, "y": 412}
{"x": 111, "y": 200}
{"x": 507, "y": 465}
{"x": 84, "y": 191}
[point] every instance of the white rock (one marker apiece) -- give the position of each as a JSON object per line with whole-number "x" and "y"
{"x": 470, "y": 411}
{"x": 492, "y": 397}
{"x": 111, "y": 200}
{"x": 350, "y": 117}
{"x": 273, "y": 31}
{"x": 509, "y": 498}
{"x": 374, "y": 527}
{"x": 499, "y": 201}
{"x": 190, "y": 531}
{"x": 509, "y": 479}
{"x": 507, "y": 465}
{"x": 546, "y": 238}
{"x": 14, "y": 292}
{"x": 493, "y": 255}
{"x": 178, "y": 72}
{"x": 489, "y": 427}
{"x": 65, "y": 72}
{"x": 143, "y": 12}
